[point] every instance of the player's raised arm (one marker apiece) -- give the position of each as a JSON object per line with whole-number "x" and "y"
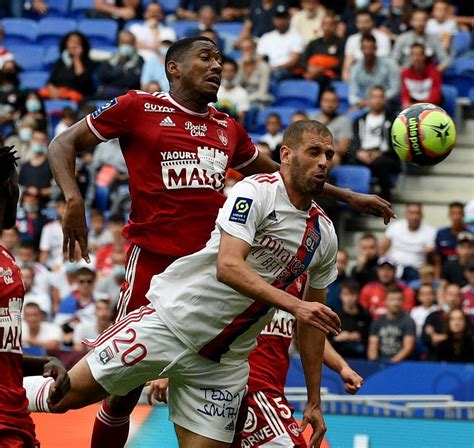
{"x": 235, "y": 272}
{"x": 62, "y": 160}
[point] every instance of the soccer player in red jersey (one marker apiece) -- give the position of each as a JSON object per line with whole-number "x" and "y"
{"x": 177, "y": 149}
{"x": 17, "y": 429}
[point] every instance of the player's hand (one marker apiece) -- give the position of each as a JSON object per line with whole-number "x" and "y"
{"x": 373, "y": 205}
{"x": 55, "y": 369}
{"x": 159, "y": 390}
{"x": 74, "y": 229}
{"x": 319, "y": 316}
{"x": 313, "y": 415}
{"x": 352, "y": 380}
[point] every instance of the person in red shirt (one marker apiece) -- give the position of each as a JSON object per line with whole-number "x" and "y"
{"x": 177, "y": 149}
{"x": 17, "y": 429}
{"x": 372, "y": 295}
{"x": 421, "y": 81}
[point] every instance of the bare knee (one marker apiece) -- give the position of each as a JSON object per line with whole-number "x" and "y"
{"x": 124, "y": 405}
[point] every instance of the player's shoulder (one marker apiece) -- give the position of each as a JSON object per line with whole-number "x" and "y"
{"x": 262, "y": 187}
{"x": 153, "y": 102}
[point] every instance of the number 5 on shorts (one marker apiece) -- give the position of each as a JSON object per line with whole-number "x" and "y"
{"x": 285, "y": 411}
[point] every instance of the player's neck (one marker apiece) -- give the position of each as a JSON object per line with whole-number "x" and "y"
{"x": 188, "y": 101}
{"x": 299, "y": 200}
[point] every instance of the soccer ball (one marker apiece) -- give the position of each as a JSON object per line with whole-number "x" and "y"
{"x": 423, "y": 134}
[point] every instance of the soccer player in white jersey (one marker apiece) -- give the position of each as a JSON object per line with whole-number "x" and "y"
{"x": 209, "y": 307}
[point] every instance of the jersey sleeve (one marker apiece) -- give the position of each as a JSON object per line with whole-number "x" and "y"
{"x": 114, "y": 119}
{"x": 245, "y": 151}
{"x": 243, "y": 211}
{"x": 323, "y": 273}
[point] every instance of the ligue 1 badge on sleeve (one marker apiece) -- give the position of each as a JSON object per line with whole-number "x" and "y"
{"x": 241, "y": 209}
{"x": 222, "y": 137}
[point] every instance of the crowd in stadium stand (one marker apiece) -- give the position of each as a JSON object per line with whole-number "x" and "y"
{"x": 351, "y": 64}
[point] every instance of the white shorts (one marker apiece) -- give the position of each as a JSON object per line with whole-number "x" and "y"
{"x": 204, "y": 396}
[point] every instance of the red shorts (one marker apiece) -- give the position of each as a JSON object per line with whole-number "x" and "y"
{"x": 141, "y": 266}
{"x": 270, "y": 422}
{"x": 11, "y": 439}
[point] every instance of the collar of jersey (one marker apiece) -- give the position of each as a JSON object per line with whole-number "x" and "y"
{"x": 185, "y": 109}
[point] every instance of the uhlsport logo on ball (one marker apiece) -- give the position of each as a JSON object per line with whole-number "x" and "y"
{"x": 423, "y": 134}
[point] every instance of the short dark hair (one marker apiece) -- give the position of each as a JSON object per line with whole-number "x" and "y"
{"x": 273, "y": 115}
{"x": 424, "y": 285}
{"x": 364, "y": 12}
{"x": 456, "y": 205}
{"x": 368, "y": 37}
{"x": 117, "y": 217}
{"x": 351, "y": 286}
{"x": 294, "y": 132}
{"x": 28, "y": 245}
{"x": 394, "y": 289}
{"x": 232, "y": 62}
{"x": 32, "y": 305}
{"x": 368, "y": 236}
{"x": 85, "y": 271}
{"x": 8, "y": 162}
{"x": 414, "y": 203}
{"x": 418, "y": 45}
{"x": 178, "y": 50}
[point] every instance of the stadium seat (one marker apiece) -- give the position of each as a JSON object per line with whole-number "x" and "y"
{"x": 52, "y": 29}
{"x": 55, "y": 107}
{"x": 33, "y": 80}
{"x": 232, "y": 28}
{"x": 58, "y": 8}
{"x": 461, "y": 42}
{"x": 169, "y": 6}
{"x": 357, "y": 178}
{"x": 99, "y": 31}
{"x": 284, "y": 112}
{"x": 298, "y": 93}
{"x": 182, "y": 27}
{"x": 51, "y": 55}
{"x": 461, "y": 75}
{"x": 80, "y": 7}
{"x": 342, "y": 92}
{"x": 19, "y": 31}
{"x": 255, "y": 137}
{"x": 471, "y": 95}
{"x": 102, "y": 196}
{"x": 28, "y": 57}
{"x": 450, "y": 94}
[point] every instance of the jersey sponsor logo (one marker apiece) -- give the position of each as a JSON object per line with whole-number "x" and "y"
{"x": 222, "y": 137}
{"x": 293, "y": 427}
{"x": 7, "y": 275}
{"x": 105, "y": 107}
{"x": 150, "y": 107}
{"x": 251, "y": 421}
{"x": 282, "y": 324}
{"x": 195, "y": 130}
{"x": 241, "y": 210}
{"x": 106, "y": 355}
{"x": 167, "y": 121}
{"x": 184, "y": 169}
{"x": 10, "y": 326}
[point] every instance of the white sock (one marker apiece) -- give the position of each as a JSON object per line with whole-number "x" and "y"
{"x": 37, "y": 392}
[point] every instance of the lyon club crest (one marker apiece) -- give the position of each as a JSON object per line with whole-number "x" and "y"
{"x": 222, "y": 137}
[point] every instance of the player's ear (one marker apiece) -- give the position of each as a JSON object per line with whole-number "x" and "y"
{"x": 173, "y": 69}
{"x": 285, "y": 154}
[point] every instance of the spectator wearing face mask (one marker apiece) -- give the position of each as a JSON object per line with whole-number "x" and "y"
{"x": 36, "y": 172}
{"x": 122, "y": 72}
{"x": 33, "y": 110}
{"x": 21, "y": 140}
{"x": 72, "y": 74}
{"x": 30, "y": 221}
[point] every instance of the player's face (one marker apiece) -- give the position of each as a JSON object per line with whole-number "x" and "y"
{"x": 200, "y": 72}
{"x": 310, "y": 162}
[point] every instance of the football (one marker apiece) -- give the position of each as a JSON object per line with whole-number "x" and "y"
{"x": 423, "y": 134}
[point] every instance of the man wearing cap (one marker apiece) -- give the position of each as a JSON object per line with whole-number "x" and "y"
{"x": 454, "y": 270}
{"x": 281, "y": 46}
{"x": 372, "y": 295}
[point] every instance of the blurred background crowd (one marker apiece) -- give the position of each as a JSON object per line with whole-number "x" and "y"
{"x": 351, "y": 64}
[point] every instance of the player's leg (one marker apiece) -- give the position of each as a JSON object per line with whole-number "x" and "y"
{"x": 189, "y": 439}
{"x": 112, "y": 422}
{"x": 11, "y": 440}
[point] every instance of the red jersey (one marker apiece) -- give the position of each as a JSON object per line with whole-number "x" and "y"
{"x": 270, "y": 360}
{"x": 14, "y": 414}
{"x": 177, "y": 161}
{"x": 424, "y": 87}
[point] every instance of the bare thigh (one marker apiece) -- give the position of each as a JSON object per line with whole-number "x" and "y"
{"x": 84, "y": 391}
{"x": 188, "y": 439}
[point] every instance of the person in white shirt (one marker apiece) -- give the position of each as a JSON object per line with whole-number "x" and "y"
{"x": 441, "y": 25}
{"x": 51, "y": 242}
{"x": 273, "y": 136}
{"x": 212, "y": 305}
{"x": 35, "y": 295}
{"x": 365, "y": 25}
{"x": 409, "y": 241}
{"x": 426, "y": 297}
{"x": 281, "y": 46}
{"x": 231, "y": 96}
{"x": 35, "y": 332}
{"x": 151, "y": 33}
{"x": 308, "y": 21}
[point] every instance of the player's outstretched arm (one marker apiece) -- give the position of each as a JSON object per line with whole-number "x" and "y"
{"x": 235, "y": 272}
{"x": 62, "y": 160}
{"x": 311, "y": 343}
{"x": 363, "y": 203}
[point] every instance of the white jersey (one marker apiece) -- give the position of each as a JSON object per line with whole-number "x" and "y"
{"x": 213, "y": 319}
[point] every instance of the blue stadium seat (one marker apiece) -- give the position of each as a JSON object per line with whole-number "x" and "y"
{"x": 450, "y": 94}
{"x": 33, "y": 80}
{"x": 58, "y": 8}
{"x": 169, "y": 6}
{"x": 342, "y": 91}
{"x": 102, "y": 196}
{"x": 471, "y": 95}
{"x": 284, "y": 112}
{"x": 51, "y": 55}
{"x": 80, "y": 7}
{"x": 182, "y": 27}
{"x": 460, "y": 74}
{"x": 99, "y": 31}
{"x": 357, "y": 178}
{"x": 19, "y": 31}
{"x": 52, "y": 29}
{"x": 464, "y": 65}
{"x": 461, "y": 42}
{"x": 28, "y": 57}
{"x": 55, "y": 107}
{"x": 255, "y": 137}
{"x": 233, "y": 28}
{"x": 297, "y": 93}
